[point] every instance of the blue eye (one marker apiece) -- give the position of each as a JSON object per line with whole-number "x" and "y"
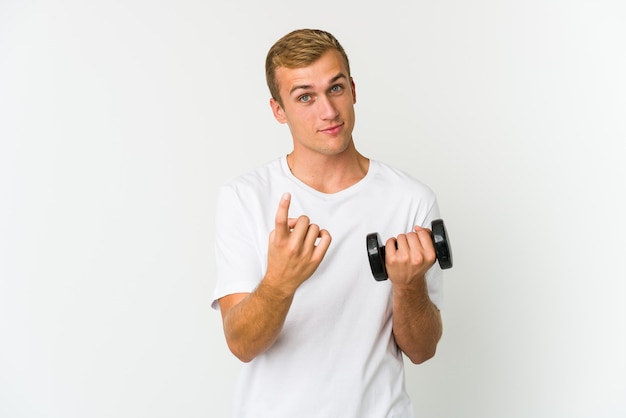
{"x": 336, "y": 88}
{"x": 304, "y": 98}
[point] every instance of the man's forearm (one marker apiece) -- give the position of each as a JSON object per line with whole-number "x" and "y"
{"x": 253, "y": 325}
{"x": 417, "y": 325}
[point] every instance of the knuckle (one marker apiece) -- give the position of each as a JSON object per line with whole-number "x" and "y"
{"x": 293, "y": 249}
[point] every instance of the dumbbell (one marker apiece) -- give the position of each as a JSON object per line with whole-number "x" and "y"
{"x": 376, "y": 250}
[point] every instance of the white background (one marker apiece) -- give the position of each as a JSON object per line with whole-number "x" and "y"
{"x": 119, "y": 120}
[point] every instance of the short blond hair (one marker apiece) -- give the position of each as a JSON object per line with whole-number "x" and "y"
{"x": 298, "y": 49}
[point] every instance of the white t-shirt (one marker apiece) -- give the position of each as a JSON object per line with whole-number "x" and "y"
{"x": 335, "y": 356}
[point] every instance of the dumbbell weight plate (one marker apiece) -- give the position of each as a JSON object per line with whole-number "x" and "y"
{"x": 376, "y": 254}
{"x": 442, "y": 244}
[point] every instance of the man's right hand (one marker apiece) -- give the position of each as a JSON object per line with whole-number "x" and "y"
{"x": 253, "y": 321}
{"x": 296, "y": 249}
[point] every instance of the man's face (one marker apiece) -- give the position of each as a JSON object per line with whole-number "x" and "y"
{"x": 318, "y": 105}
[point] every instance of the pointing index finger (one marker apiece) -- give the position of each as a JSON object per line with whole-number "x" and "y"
{"x": 282, "y": 214}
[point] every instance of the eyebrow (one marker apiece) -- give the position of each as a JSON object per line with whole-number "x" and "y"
{"x": 308, "y": 86}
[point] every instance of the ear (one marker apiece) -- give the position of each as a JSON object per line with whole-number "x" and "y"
{"x": 277, "y": 110}
{"x": 353, "y": 90}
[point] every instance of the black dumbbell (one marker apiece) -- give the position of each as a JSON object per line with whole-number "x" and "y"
{"x": 376, "y": 250}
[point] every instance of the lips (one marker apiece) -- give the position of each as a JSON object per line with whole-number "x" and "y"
{"x": 332, "y": 130}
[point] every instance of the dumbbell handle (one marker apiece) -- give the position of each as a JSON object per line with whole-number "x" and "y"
{"x": 376, "y": 250}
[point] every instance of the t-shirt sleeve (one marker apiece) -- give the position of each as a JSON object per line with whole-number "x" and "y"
{"x": 238, "y": 261}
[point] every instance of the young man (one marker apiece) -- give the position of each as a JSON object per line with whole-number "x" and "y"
{"x": 319, "y": 336}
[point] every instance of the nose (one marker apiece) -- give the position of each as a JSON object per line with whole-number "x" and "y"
{"x": 327, "y": 108}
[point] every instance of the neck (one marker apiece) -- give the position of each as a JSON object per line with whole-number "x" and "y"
{"x": 328, "y": 174}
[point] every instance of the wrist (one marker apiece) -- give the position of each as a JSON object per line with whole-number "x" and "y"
{"x": 415, "y": 288}
{"x": 270, "y": 289}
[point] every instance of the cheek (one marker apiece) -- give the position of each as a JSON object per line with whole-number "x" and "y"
{"x": 302, "y": 119}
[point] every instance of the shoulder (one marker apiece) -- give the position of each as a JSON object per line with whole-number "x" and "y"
{"x": 256, "y": 177}
{"x": 394, "y": 178}
{"x": 254, "y": 190}
{"x": 256, "y": 183}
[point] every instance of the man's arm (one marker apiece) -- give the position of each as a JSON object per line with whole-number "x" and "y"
{"x": 417, "y": 325}
{"x": 253, "y": 321}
